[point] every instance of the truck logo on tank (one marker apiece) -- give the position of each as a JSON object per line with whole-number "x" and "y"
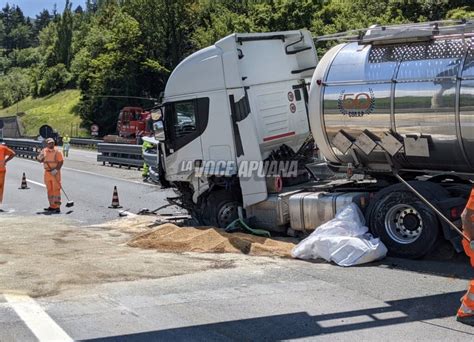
{"x": 356, "y": 104}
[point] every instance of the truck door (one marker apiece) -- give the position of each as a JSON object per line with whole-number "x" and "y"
{"x": 185, "y": 121}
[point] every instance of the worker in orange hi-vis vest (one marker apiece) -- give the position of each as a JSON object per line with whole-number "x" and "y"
{"x": 466, "y": 311}
{"x": 52, "y": 160}
{"x": 6, "y": 155}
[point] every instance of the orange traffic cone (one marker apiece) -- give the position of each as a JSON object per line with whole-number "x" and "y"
{"x": 115, "y": 200}
{"x": 24, "y": 185}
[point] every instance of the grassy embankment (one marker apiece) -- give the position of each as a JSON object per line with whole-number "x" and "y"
{"x": 55, "y": 110}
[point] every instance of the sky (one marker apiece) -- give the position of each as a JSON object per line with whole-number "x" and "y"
{"x": 32, "y": 7}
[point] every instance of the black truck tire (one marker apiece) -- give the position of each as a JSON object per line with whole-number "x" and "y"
{"x": 220, "y": 208}
{"x": 406, "y": 225}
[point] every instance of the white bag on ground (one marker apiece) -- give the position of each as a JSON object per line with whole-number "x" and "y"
{"x": 344, "y": 240}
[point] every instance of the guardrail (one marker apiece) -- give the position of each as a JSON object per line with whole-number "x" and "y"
{"x": 25, "y": 148}
{"x": 85, "y": 142}
{"x": 120, "y": 154}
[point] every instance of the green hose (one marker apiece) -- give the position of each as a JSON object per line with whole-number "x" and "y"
{"x": 259, "y": 232}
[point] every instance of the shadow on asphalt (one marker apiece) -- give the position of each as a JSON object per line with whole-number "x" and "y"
{"x": 458, "y": 269}
{"x": 303, "y": 325}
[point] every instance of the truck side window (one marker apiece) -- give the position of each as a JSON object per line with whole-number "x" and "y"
{"x": 185, "y": 121}
{"x": 184, "y": 118}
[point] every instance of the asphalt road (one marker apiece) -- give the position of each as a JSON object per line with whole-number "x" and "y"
{"x": 86, "y": 182}
{"x": 268, "y": 300}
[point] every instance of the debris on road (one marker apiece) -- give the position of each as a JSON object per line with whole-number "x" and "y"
{"x": 344, "y": 240}
{"x": 171, "y": 238}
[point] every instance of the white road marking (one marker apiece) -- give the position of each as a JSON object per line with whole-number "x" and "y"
{"x": 36, "y": 319}
{"x": 115, "y": 178}
{"x": 98, "y": 174}
{"x": 36, "y": 183}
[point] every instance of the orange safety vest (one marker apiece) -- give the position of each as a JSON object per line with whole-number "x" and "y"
{"x": 51, "y": 158}
{"x": 468, "y": 225}
{"x": 4, "y": 153}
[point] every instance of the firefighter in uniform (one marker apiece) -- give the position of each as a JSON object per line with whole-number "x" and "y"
{"x": 6, "y": 155}
{"x": 466, "y": 311}
{"x": 52, "y": 160}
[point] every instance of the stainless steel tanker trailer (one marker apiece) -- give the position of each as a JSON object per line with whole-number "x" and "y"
{"x": 388, "y": 102}
{"x": 401, "y": 100}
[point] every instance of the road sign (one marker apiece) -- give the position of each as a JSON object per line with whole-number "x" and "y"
{"x": 94, "y": 129}
{"x": 46, "y": 132}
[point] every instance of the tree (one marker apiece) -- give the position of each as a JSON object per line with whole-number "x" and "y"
{"x": 108, "y": 64}
{"x": 42, "y": 20}
{"x": 63, "y": 45}
{"x": 17, "y": 32}
{"x": 2, "y": 32}
{"x": 14, "y": 86}
{"x": 461, "y": 13}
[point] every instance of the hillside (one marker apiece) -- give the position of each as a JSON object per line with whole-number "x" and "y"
{"x": 55, "y": 110}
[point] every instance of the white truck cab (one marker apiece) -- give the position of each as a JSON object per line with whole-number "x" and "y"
{"x": 233, "y": 102}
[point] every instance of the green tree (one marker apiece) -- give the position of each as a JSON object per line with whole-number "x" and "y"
{"x": 63, "y": 43}
{"x": 14, "y": 86}
{"x": 2, "y": 31}
{"x": 108, "y": 64}
{"x": 464, "y": 12}
{"x": 42, "y": 20}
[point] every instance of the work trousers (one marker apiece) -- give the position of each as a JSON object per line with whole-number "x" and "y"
{"x": 66, "y": 149}
{"x": 467, "y": 305}
{"x": 53, "y": 186}
{"x": 2, "y": 184}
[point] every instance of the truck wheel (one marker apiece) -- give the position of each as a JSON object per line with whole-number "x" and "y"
{"x": 403, "y": 222}
{"x": 221, "y": 208}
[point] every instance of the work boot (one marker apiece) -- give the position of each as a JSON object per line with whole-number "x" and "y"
{"x": 469, "y": 320}
{"x": 48, "y": 209}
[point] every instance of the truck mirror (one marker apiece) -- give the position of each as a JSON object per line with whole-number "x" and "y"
{"x": 158, "y": 128}
{"x": 156, "y": 114}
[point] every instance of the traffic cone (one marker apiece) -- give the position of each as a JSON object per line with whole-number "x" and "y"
{"x": 115, "y": 200}
{"x": 24, "y": 185}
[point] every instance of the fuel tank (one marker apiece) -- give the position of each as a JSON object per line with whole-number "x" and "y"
{"x": 411, "y": 104}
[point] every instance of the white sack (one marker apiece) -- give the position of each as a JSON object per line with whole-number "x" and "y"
{"x": 344, "y": 240}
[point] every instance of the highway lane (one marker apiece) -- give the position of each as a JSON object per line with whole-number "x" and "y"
{"x": 90, "y": 190}
{"x": 250, "y": 299}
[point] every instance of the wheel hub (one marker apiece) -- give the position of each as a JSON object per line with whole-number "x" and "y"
{"x": 410, "y": 222}
{"x": 227, "y": 214}
{"x": 403, "y": 223}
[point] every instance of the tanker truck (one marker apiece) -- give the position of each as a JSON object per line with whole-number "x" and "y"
{"x": 243, "y": 118}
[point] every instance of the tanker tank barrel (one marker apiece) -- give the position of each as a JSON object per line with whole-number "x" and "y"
{"x": 408, "y": 92}
{"x": 403, "y": 32}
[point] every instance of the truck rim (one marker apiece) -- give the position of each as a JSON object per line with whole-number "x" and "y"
{"x": 227, "y": 214}
{"x": 403, "y": 223}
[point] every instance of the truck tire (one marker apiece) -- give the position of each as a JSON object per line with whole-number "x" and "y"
{"x": 407, "y": 226}
{"x": 221, "y": 208}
